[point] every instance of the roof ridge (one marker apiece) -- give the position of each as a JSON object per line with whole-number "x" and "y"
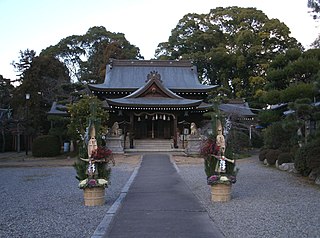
{"x": 154, "y": 62}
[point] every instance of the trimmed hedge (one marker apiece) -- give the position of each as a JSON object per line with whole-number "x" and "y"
{"x": 285, "y": 158}
{"x": 46, "y": 146}
{"x": 272, "y": 156}
{"x": 262, "y": 154}
{"x": 308, "y": 157}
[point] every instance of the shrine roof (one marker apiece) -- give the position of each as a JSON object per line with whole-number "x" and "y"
{"x": 131, "y": 75}
{"x": 154, "y": 102}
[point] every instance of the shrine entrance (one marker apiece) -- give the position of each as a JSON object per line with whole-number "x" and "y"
{"x": 153, "y": 127}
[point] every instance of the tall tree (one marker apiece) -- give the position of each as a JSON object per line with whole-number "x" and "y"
{"x": 87, "y": 55}
{"x": 293, "y": 67}
{"x": 25, "y": 59}
{"x": 231, "y": 46}
{"x": 6, "y": 89}
{"x": 42, "y": 80}
{"x": 316, "y": 43}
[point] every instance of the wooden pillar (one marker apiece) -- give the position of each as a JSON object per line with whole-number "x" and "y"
{"x": 175, "y": 127}
{"x": 131, "y": 136}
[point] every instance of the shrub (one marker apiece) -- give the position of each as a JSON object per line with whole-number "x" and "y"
{"x": 46, "y": 146}
{"x": 285, "y": 158}
{"x": 238, "y": 141}
{"x": 257, "y": 139}
{"x": 300, "y": 160}
{"x": 313, "y": 155}
{"x": 272, "y": 156}
{"x": 262, "y": 154}
{"x": 275, "y": 136}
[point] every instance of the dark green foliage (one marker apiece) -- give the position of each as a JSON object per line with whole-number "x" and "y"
{"x": 81, "y": 168}
{"x": 313, "y": 155}
{"x": 285, "y": 158}
{"x": 300, "y": 160}
{"x": 313, "y": 158}
{"x": 42, "y": 80}
{"x": 276, "y": 137}
{"x": 230, "y": 46}
{"x": 257, "y": 139}
{"x": 210, "y": 162}
{"x": 87, "y": 55}
{"x": 209, "y": 165}
{"x": 80, "y": 115}
{"x": 231, "y": 167}
{"x": 262, "y": 154}
{"x": 272, "y": 156}
{"x": 238, "y": 140}
{"x": 104, "y": 171}
{"x": 59, "y": 125}
{"x": 267, "y": 117}
{"x": 301, "y": 90}
{"x": 46, "y": 146}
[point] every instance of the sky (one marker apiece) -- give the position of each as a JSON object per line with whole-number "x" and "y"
{"x": 37, "y": 24}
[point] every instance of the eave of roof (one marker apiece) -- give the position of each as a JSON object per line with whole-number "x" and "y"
{"x": 159, "y": 102}
{"x": 103, "y": 88}
{"x": 54, "y": 110}
{"x": 237, "y": 109}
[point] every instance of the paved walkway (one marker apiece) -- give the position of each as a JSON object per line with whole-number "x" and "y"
{"x": 159, "y": 204}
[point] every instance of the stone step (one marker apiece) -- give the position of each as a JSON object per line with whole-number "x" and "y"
{"x": 153, "y": 144}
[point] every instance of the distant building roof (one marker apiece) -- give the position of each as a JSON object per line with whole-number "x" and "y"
{"x": 240, "y": 109}
{"x": 57, "y": 109}
{"x": 277, "y": 106}
{"x": 129, "y": 75}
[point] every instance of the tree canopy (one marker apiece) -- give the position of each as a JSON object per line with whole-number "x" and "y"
{"x": 314, "y": 5}
{"x": 25, "y": 59}
{"x": 42, "y": 80}
{"x": 232, "y": 47}
{"x": 6, "y": 89}
{"x": 86, "y": 55}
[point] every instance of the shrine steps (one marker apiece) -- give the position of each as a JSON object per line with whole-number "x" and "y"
{"x": 153, "y": 145}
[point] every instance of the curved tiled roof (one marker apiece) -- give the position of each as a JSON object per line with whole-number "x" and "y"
{"x": 237, "y": 109}
{"x": 131, "y": 75}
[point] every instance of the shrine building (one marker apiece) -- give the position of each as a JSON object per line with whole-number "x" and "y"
{"x": 153, "y": 99}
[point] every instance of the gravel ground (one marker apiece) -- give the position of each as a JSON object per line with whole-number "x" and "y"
{"x": 46, "y": 202}
{"x": 266, "y": 202}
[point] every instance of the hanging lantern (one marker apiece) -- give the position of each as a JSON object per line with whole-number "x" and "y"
{"x": 139, "y": 119}
{"x": 146, "y": 117}
{"x": 153, "y": 118}
{"x": 156, "y": 116}
{"x": 164, "y": 117}
{"x": 160, "y": 117}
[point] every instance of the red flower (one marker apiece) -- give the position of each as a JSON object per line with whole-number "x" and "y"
{"x": 207, "y": 147}
{"x": 102, "y": 154}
